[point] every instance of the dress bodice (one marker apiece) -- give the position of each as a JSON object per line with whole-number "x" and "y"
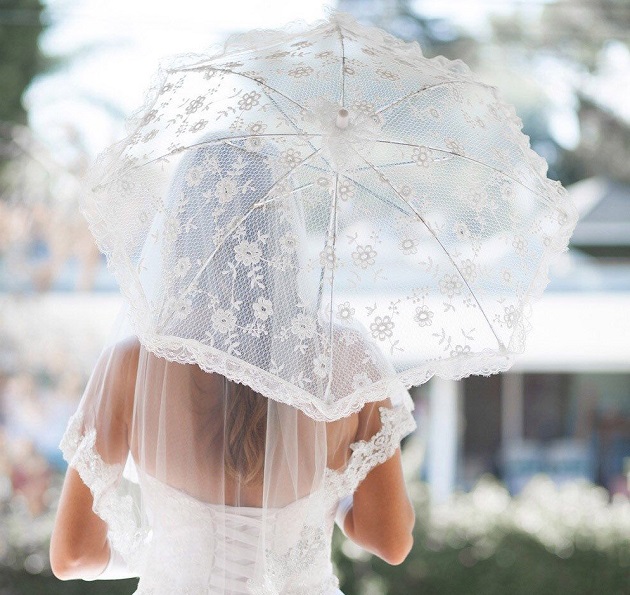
{"x": 181, "y": 545}
{"x": 199, "y": 547}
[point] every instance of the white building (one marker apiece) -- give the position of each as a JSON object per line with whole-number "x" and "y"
{"x": 564, "y": 408}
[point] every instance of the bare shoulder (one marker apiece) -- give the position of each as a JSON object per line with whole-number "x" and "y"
{"x": 129, "y": 349}
{"x": 122, "y": 360}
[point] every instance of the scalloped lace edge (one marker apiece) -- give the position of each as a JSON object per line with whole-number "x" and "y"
{"x": 79, "y": 451}
{"x": 395, "y": 425}
{"x": 485, "y": 363}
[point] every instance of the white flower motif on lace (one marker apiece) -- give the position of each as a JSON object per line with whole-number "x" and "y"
{"x": 382, "y": 327}
{"x": 327, "y": 57}
{"x": 455, "y": 146}
{"x": 194, "y": 176}
{"x": 291, "y": 157}
{"x": 150, "y": 135}
{"x": 224, "y": 321}
{"x": 460, "y": 350}
{"x": 325, "y": 182}
{"x": 451, "y": 285}
{"x": 300, "y": 71}
{"x": 199, "y": 125}
{"x": 249, "y": 100}
{"x": 345, "y": 311}
{"x": 364, "y": 107}
{"x": 303, "y": 326}
{"x": 180, "y": 308}
{"x": 345, "y": 189}
{"x": 321, "y": 366}
{"x": 182, "y": 267}
{"x": 226, "y": 190}
{"x": 172, "y": 229}
{"x": 247, "y": 253}
{"x": 422, "y": 156}
{"x": 195, "y": 104}
{"x": 423, "y": 316}
{"x": 469, "y": 270}
{"x": 388, "y": 75}
{"x": 253, "y": 144}
{"x": 364, "y": 256}
{"x": 328, "y": 258}
{"x": 288, "y": 242}
{"x": 519, "y": 244}
{"x": 257, "y": 127}
{"x": 263, "y": 308}
{"x": 409, "y": 246}
{"x": 360, "y": 380}
{"x": 511, "y": 317}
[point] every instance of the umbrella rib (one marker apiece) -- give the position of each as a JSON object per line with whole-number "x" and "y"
{"x": 382, "y": 175}
{"x": 541, "y": 196}
{"x": 343, "y": 65}
{"x": 418, "y": 91}
{"x": 260, "y": 82}
{"x": 363, "y": 187}
{"x": 205, "y": 144}
{"x": 260, "y": 203}
{"x": 332, "y": 282}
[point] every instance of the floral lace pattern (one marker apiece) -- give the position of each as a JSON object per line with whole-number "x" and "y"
{"x": 116, "y": 509}
{"x": 178, "y": 547}
{"x": 395, "y": 425}
{"x": 301, "y": 202}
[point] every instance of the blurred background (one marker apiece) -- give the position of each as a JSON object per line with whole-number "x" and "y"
{"x": 520, "y": 480}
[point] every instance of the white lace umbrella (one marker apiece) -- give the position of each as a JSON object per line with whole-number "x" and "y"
{"x": 301, "y": 207}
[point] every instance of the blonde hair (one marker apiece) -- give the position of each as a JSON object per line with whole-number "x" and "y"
{"x": 245, "y": 432}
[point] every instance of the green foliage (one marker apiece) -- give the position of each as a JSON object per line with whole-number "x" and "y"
{"x": 546, "y": 541}
{"x": 20, "y": 56}
{"x": 15, "y": 582}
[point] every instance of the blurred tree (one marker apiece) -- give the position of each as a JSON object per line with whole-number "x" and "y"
{"x": 440, "y": 36}
{"x": 404, "y": 19}
{"x": 20, "y": 61}
{"x": 574, "y": 30}
{"x": 21, "y": 58}
{"x": 604, "y": 147}
{"x": 578, "y": 34}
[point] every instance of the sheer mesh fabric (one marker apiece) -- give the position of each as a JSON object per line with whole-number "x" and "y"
{"x": 154, "y": 441}
{"x": 422, "y": 219}
{"x": 303, "y": 224}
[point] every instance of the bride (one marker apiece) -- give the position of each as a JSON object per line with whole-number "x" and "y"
{"x": 190, "y": 465}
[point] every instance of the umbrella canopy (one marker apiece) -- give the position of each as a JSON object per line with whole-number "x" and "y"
{"x": 326, "y": 215}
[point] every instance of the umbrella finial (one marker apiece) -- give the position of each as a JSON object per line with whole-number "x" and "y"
{"x": 343, "y": 117}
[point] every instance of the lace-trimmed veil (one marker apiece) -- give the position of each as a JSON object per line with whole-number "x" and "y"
{"x": 275, "y": 251}
{"x": 155, "y": 436}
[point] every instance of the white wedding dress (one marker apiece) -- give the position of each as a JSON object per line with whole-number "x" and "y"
{"x": 195, "y": 548}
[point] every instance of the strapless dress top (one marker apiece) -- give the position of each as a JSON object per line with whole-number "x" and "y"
{"x": 199, "y": 548}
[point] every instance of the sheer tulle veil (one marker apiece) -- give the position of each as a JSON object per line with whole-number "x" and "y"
{"x": 303, "y": 224}
{"x": 197, "y": 474}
